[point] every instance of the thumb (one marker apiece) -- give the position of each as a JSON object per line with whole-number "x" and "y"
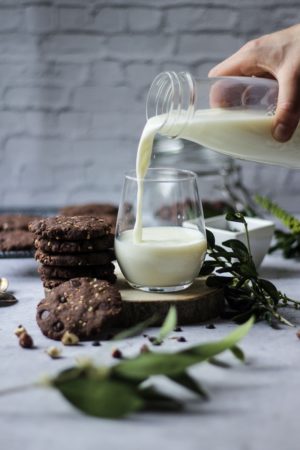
{"x": 288, "y": 107}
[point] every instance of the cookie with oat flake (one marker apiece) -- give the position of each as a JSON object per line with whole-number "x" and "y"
{"x": 70, "y": 228}
{"x": 86, "y": 307}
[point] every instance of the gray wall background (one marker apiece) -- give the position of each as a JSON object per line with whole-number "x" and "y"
{"x": 73, "y": 80}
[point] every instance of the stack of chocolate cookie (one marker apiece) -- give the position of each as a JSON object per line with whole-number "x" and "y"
{"x": 71, "y": 247}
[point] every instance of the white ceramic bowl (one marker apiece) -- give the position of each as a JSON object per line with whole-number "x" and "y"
{"x": 260, "y": 234}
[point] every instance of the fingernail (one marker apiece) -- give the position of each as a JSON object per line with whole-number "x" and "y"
{"x": 281, "y": 132}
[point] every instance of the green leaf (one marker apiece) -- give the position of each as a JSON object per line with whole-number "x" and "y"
{"x": 287, "y": 219}
{"x": 218, "y": 363}
{"x": 248, "y": 269}
{"x": 156, "y": 401}
{"x": 210, "y": 239}
{"x": 216, "y": 281}
{"x": 174, "y": 364}
{"x": 211, "y": 349}
{"x": 207, "y": 268}
{"x": 189, "y": 383}
{"x": 235, "y": 216}
{"x": 238, "y": 353}
{"x": 168, "y": 325}
{"x": 235, "y": 244}
{"x": 109, "y": 399}
{"x": 136, "y": 329}
{"x": 148, "y": 364}
{"x": 269, "y": 288}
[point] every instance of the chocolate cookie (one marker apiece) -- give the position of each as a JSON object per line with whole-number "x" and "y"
{"x": 50, "y": 283}
{"x": 90, "y": 209}
{"x": 86, "y": 307}
{"x": 82, "y": 259}
{"x": 74, "y": 272}
{"x": 16, "y": 240}
{"x": 89, "y": 245}
{"x": 111, "y": 220}
{"x": 70, "y": 228}
{"x": 10, "y": 222}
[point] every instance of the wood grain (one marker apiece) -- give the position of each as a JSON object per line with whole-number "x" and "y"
{"x": 196, "y": 304}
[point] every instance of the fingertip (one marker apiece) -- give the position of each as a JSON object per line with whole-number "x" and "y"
{"x": 282, "y": 132}
{"x": 217, "y": 70}
{"x": 212, "y": 73}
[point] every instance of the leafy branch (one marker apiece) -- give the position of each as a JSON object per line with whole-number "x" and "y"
{"x": 231, "y": 267}
{"x": 116, "y": 391}
{"x": 287, "y": 241}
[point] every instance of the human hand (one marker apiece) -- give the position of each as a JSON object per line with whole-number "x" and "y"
{"x": 275, "y": 55}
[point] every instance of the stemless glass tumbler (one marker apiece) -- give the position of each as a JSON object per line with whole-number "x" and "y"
{"x": 171, "y": 251}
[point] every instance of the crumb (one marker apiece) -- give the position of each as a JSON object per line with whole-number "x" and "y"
{"x": 116, "y": 353}
{"x": 144, "y": 349}
{"x": 210, "y": 326}
{"x": 178, "y": 329}
{"x": 96, "y": 344}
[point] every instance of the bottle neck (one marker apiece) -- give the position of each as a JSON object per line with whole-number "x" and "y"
{"x": 173, "y": 96}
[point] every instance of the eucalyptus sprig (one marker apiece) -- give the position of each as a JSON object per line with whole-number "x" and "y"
{"x": 116, "y": 391}
{"x": 287, "y": 241}
{"x": 231, "y": 266}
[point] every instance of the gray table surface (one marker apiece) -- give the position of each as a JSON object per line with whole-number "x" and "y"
{"x": 253, "y": 406}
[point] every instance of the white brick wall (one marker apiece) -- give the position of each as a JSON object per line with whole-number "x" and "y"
{"x": 73, "y": 79}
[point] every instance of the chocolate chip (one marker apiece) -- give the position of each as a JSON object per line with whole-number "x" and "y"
{"x": 116, "y": 353}
{"x": 181, "y": 339}
{"x": 96, "y": 344}
{"x": 178, "y": 329}
{"x": 58, "y": 326}
{"x": 75, "y": 283}
{"x": 211, "y": 326}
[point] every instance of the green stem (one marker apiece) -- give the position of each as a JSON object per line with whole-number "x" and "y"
{"x": 247, "y": 237}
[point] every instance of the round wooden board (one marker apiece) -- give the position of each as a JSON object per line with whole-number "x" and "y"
{"x": 196, "y": 304}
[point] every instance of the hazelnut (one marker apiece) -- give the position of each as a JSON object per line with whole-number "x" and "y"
{"x": 54, "y": 352}
{"x": 25, "y": 340}
{"x": 69, "y": 338}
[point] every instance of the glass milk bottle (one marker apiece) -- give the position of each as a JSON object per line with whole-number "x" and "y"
{"x": 232, "y": 115}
